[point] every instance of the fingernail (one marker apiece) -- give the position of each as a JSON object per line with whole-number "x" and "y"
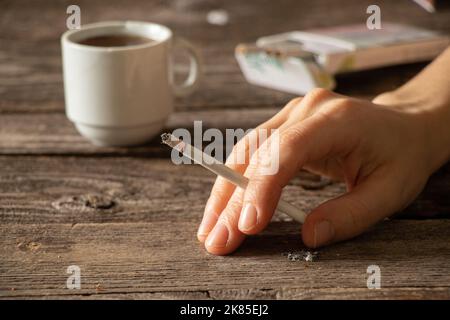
{"x": 208, "y": 221}
{"x": 207, "y": 224}
{"x": 218, "y": 237}
{"x": 323, "y": 233}
{"x": 248, "y": 218}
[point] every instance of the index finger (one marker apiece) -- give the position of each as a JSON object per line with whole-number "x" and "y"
{"x": 223, "y": 189}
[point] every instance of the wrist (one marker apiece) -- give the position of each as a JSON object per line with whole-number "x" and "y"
{"x": 431, "y": 117}
{"x": 437, "y": 130}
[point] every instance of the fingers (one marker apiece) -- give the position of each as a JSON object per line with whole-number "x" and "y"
{"x": 299, "y": 142}
{"x": 311, "y": 140}
{"x": 264, "y": 190}
{"x": 225, "y": 237}
{"x": 326, "y": 132}
{"x": 312, "y": 102}
{"x": 228, "y": 233}
{"x": 222, "y": 189}
{"x": 220, "y": 194}
{"x": 349, "y": 215}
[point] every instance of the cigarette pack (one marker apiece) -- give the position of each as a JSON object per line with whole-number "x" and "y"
{"x": 428, "y": 5}
{"x": 299, "y": 61}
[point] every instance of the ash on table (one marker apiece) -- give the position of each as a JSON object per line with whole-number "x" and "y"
{"x": 302, "y": 255}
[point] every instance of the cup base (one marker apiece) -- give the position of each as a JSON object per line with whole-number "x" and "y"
{"x": 119, "y": 136}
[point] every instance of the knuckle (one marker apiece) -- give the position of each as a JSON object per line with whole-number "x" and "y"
{"x": 230, "y": 215}
{"x": 291, "y": 107}
{"x": 291, "y": 136}
{"x": 296, "y": 100}
{"x": 251, "y": 194}
{"x": 238, "y": 152}
{"x": 314, "y": 99}
{"x": 261, "y": 188}
{"x": 342, "y": 108}
{"x": 217, "y": 194}
{"x": 256, "y": 181}
{"x": 263, "y": 157}
{"x": 318, "y": 94}
{"x": 293, "y": 102}
{"x": 219, "y": 191}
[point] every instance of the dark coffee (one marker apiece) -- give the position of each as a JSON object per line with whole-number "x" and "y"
{"x": 115, "y": 41}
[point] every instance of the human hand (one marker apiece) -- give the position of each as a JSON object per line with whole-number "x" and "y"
{"x": 382, "y": 153}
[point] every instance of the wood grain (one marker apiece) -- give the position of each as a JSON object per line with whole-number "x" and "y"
{"x": 68, "y": 189}
{"x": 53, "y": 133}
{"x": 128, "y": 216}
{"x": 80, "y": 190}
{"x": 164, "y": 256}
{"x": 30, "y": 63}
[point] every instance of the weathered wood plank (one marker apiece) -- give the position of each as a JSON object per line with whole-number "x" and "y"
{"x": 120, "y": 214}
{"x": 66, "y": 189}
{"x": 424, "y": 293}
{"x": 53, "y": 133}
{"x": 434, "y": 293}
{"x": 30, "y": 64}
{"x": 78, "y": 189}
{"x": 164, "y": 256}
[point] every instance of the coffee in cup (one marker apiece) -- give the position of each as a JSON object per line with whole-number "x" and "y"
{"x": 118, "y": 80}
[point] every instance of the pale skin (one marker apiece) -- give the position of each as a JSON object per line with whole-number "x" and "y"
{"x": 384, "y": 150}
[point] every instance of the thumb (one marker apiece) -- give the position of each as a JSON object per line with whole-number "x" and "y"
{"x": 351, "y": 214}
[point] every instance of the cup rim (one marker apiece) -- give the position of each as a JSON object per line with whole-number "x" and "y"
{"x": 67, "y": 37}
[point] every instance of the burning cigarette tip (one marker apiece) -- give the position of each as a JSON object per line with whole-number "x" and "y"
{"x": 166, "y": 138}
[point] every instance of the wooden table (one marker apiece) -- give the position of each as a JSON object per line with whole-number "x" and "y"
{"x": 127, "y": 216}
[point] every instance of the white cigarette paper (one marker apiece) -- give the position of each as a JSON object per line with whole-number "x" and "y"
{"x": 222, "y": 170}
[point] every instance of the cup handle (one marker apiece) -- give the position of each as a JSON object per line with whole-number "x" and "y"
{"x": 191, "y": 82}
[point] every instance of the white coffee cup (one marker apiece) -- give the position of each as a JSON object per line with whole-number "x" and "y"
{"x": 122, "y": 95}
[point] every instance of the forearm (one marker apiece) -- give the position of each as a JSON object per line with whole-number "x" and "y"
{"x": 428, "y": 96}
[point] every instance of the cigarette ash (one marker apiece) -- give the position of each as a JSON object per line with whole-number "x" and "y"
{"x": 173, "y": 142}
{"x": 302, "y": 255}
{"x": 165, "y": 138}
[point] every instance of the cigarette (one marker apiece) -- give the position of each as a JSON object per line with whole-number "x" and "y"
{"x": 222, "y": 170}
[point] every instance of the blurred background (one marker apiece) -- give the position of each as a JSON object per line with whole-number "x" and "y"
{"x": 30, "y": 59}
